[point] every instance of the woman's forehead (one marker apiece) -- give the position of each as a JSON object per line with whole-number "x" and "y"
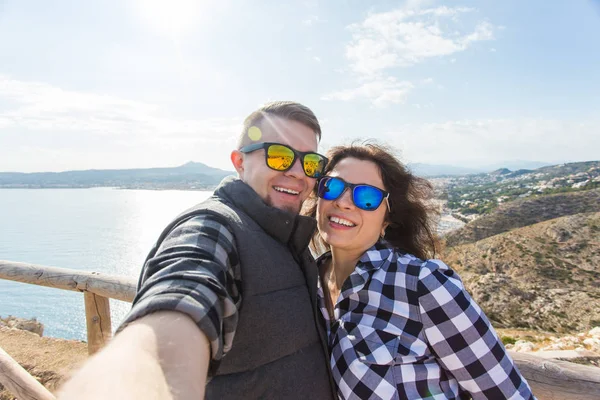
{"x": 353, "y": 170}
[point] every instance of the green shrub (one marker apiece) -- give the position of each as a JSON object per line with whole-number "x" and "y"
{"x": 508, "y": 340}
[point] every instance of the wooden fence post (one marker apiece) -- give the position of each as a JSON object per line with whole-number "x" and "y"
{"x": 18, "y": 381}
{"x": 97, "y": 316}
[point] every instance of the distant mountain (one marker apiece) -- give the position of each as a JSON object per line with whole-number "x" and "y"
{"x": 514, "y": 165}
{"x": 429, "y": 170}
{"x": 192, "y": 175}
{"x": 501, "y": 171}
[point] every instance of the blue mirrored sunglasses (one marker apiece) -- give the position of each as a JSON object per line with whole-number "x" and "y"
{"x": 365, "y": 197}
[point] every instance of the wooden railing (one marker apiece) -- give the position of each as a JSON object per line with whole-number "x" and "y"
{"x": 96, "y": 288}
{"x": 549, "y": 379}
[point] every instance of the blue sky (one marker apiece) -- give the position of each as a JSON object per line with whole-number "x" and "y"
{"x": 134, "y": 83}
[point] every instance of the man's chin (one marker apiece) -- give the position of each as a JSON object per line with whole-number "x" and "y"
{"x": 289, "y": 207}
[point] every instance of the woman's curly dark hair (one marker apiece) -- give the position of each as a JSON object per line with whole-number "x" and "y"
{"x": 412, "y": 216}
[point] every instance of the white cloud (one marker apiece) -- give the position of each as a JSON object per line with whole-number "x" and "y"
{"x": 379, "y": 92}
{"x": 39, "y": 106}
{"x": 89, "y": 124}
{"x": 486, "y": 141}
{"x": 317, "y": 59}
{"x": 402, "y": 38}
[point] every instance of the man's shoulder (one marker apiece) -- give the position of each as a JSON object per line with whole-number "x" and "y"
{"x": 214, "y": 208}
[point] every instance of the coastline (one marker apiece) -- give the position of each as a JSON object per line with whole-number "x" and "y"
{"x": 128, "y": 187}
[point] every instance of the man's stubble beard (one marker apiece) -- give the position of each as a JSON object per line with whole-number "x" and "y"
{"x": 291, "y": 209}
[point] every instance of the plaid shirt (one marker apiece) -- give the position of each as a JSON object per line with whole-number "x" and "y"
{"x": 404, "y": 328}
{"x": 194, "y": 271}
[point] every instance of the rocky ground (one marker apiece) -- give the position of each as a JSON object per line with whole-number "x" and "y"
{"x": 52, "y": 360}
{"x": 583, "y": 347}
{"x": 49, "y": 360}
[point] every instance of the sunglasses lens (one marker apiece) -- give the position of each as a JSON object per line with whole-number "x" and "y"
{"x": 314, "y": 164}
{"x": 279, "y": 157}
{"x": 330, "y": 188}
{"x": 367, "y": 197}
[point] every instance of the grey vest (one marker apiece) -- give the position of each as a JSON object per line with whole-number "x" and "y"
{"x": 280, "y": 348}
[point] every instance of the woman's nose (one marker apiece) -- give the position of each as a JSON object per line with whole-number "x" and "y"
{"x": 345, "y": 200}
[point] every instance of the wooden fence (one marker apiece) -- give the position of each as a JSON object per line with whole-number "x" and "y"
{"x": 549, "y": 379}
{"x": 96, "y": 288}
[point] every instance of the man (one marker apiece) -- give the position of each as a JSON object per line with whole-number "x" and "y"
{"x": 226, "y": 300}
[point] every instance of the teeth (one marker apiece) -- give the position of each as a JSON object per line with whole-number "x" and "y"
{"x": 341, "y": 221}
{"x": 285, "y": 190}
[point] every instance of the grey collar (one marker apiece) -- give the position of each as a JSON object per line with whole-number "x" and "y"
{"x": 293, "y": 230}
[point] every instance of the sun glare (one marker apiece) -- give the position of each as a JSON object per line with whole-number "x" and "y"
{"x": 172, "y": 18}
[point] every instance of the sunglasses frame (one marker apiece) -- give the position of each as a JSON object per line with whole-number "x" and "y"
{"x": 297, "y": 155}
{"x": 352, "y": 186}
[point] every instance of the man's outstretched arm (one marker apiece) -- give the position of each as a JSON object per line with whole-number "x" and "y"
{"x": 160, "y": 356}
{"x": 182, "y": 321}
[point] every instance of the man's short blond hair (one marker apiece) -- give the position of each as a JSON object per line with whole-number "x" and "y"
{"x": 289, "y": 110}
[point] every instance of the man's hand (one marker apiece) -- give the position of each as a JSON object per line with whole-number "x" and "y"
{"x": 160, "y": 356}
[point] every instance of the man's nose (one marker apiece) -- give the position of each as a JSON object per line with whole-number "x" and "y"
{"x": 296, "y": 170}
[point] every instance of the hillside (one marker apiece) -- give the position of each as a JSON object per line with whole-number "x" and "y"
{"x": 524, "y": 212}
{"x": 471, "y": 196}
{"x": 187, "y": 176}
{"x": 543, "y": 277}
{"x": 560, "y": 170}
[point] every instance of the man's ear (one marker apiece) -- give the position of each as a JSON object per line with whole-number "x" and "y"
{"x": 237, "y": 159}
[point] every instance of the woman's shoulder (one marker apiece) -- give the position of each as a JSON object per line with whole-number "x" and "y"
{"x": 430, "y": 264}
{"x": 423, "y": 268}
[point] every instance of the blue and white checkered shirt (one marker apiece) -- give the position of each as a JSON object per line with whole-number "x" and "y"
{"x": 404, "y": 328}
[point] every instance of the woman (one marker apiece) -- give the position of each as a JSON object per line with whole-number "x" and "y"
{"x": 400, "y": 325}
